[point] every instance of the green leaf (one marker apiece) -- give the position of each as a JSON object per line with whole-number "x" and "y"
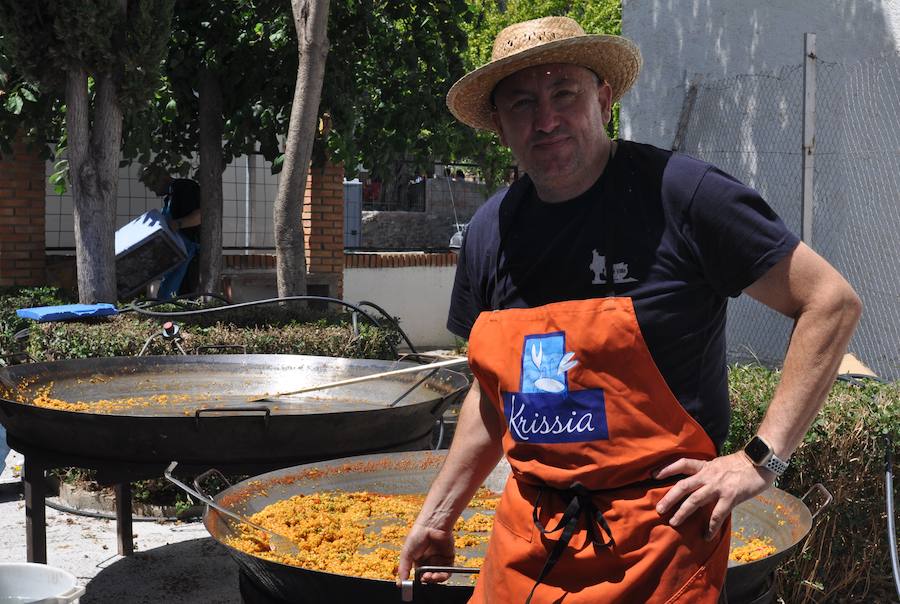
{"x": 171, "y": 110}
{"x": 27, "y": 94}
{"x": 14, "y": 104}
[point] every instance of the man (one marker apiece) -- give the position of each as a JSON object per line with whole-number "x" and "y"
{"x": 181, "y": 207}
{"x": 593, "y": 294}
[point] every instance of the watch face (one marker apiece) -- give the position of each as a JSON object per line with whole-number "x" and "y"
{"x": 757, "y": 450}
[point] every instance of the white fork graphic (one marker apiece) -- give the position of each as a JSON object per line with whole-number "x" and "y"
{"x": 551, "y": 384}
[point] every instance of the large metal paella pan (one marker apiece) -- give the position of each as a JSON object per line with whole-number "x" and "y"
{"x": 195, "y": 408}
{"x": 775, "y": 514}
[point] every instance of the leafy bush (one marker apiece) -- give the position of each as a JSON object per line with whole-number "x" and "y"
{"x": 125, "y": 335}
{"x": 12, "y": 299}
{"x": 845, "y": 558}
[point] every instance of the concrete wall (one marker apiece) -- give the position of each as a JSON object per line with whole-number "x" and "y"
{"x": 386, "y": 230}
{"x": 447, "y": 201}
{"x": 721, "y": 38}
{"x": 418, "y": 295}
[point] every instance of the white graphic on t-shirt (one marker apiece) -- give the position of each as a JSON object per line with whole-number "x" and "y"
{"x": 620, "y": 270}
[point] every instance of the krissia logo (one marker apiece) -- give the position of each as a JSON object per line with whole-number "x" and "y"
{"x": 544, "y": 410}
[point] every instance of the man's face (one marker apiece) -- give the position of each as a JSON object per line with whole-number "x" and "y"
{"x": 553, "y": 118}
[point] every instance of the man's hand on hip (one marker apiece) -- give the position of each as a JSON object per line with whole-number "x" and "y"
{"x": 724, "y": 481}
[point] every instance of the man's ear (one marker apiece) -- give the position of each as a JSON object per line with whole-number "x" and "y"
{"x": 495, "y": 117}
{"x": 604, "y": 97}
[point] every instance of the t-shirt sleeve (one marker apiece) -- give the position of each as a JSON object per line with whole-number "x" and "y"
{"x": 465, "y": 303}
{"x": 734, "y": 234}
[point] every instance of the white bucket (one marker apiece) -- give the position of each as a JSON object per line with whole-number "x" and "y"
{"x": 26, "y": 583}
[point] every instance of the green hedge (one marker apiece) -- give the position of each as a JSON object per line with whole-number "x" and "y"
{"x": 288, "y": 328}
{"x": 845, "y": 558}
{"x": 12, "y": 299}
{"x": 125, "y": 335}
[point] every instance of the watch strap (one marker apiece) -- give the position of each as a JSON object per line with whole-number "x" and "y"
{"x": 776, "y": 465}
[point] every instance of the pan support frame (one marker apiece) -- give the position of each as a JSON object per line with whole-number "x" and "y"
{"x": 118, "y": 474}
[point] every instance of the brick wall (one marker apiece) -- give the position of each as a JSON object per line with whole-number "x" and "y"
{"x": 398, "y": 259}
{"x": 323, "y": 226}
{"x": 22, "y": 260}
{"x": 248, "y": 262}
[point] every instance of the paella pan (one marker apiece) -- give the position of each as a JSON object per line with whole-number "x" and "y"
{"x": 776, "y": 516}
{"x": 195, "y": 408}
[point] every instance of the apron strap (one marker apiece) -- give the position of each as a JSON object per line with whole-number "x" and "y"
{"x": 581, "y": 503}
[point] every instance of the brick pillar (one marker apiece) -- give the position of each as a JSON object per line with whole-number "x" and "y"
{"x": 323, "y": 229}
{"x": 22, "y": 242}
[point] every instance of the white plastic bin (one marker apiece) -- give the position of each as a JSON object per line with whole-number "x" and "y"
{"x": 27, "y": 583}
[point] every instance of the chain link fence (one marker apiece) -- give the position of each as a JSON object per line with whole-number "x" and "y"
{"x": 751, "y": 126}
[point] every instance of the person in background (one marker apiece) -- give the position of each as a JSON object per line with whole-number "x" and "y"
{"x": 593, "y": 294}
{"x": 181, "y": 207}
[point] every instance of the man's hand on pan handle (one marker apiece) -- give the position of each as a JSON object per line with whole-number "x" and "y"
{"x": 426, "y": 546}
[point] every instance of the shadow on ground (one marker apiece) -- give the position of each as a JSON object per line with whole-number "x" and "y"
{"x": 196, "y": 571}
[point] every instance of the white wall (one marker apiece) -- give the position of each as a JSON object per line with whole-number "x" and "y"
{"x": 419, "y": 296}
{"x": 721, "y": 38}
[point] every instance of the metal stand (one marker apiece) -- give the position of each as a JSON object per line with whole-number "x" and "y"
{"x": 124, "y": 533}
{"x": 118, "y": 474}
{"x": 35, "y": 487}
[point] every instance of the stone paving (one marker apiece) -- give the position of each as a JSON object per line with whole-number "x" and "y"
{"x": 175, "y": 563}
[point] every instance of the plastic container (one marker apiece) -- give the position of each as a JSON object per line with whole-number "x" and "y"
{"x": 146, "y": 249}
{"x": 27, "y": 583}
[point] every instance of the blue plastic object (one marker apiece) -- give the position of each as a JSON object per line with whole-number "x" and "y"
{"x": 67, "y": 311}
{"x": 146, "y": 249}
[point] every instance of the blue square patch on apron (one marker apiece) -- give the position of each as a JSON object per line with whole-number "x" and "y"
{"x": 545, "y": 411}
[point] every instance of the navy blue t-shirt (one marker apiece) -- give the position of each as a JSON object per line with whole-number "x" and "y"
{"x": 183, "y": 198}
{"x": 684, "y": 237}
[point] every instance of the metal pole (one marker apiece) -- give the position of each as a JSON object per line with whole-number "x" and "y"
{"x": 809, "y": 136}
{"x": 247, "y": 194}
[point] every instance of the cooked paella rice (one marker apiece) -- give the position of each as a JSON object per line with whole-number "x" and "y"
{"x": 355, "y": 533}
{"x": 360, "y": 533}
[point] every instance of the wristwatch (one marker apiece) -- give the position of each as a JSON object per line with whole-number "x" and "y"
{"x": 761, "y": 454}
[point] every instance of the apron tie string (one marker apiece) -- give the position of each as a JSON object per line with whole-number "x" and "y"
{"x": 581, "y": 504}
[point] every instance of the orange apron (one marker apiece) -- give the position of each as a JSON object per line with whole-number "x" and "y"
{"x": 587, "y": 418}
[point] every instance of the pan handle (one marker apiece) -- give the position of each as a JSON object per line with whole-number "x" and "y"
{"x": 267, "y": 413}
{"x": 198, "y": 481}
{"x": 220, "y": 508}
{"x": 826, "y": 496}
{"x": 451, "y": 399}
{"x": 407, "y": 586}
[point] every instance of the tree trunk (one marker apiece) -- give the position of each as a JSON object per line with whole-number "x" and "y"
{"x": 311, "y": 23}
{"x": 93, "y": 155}
{"x": 211, "y": 168}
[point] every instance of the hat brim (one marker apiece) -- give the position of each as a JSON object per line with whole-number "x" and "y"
{"x": 615, "y": 59}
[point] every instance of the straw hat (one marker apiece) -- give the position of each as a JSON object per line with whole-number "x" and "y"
{"x": 538, "y": 42}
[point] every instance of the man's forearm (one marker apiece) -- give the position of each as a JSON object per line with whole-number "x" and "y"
{"x": 475, "y": 451}
{"x": 822, "y": 331}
